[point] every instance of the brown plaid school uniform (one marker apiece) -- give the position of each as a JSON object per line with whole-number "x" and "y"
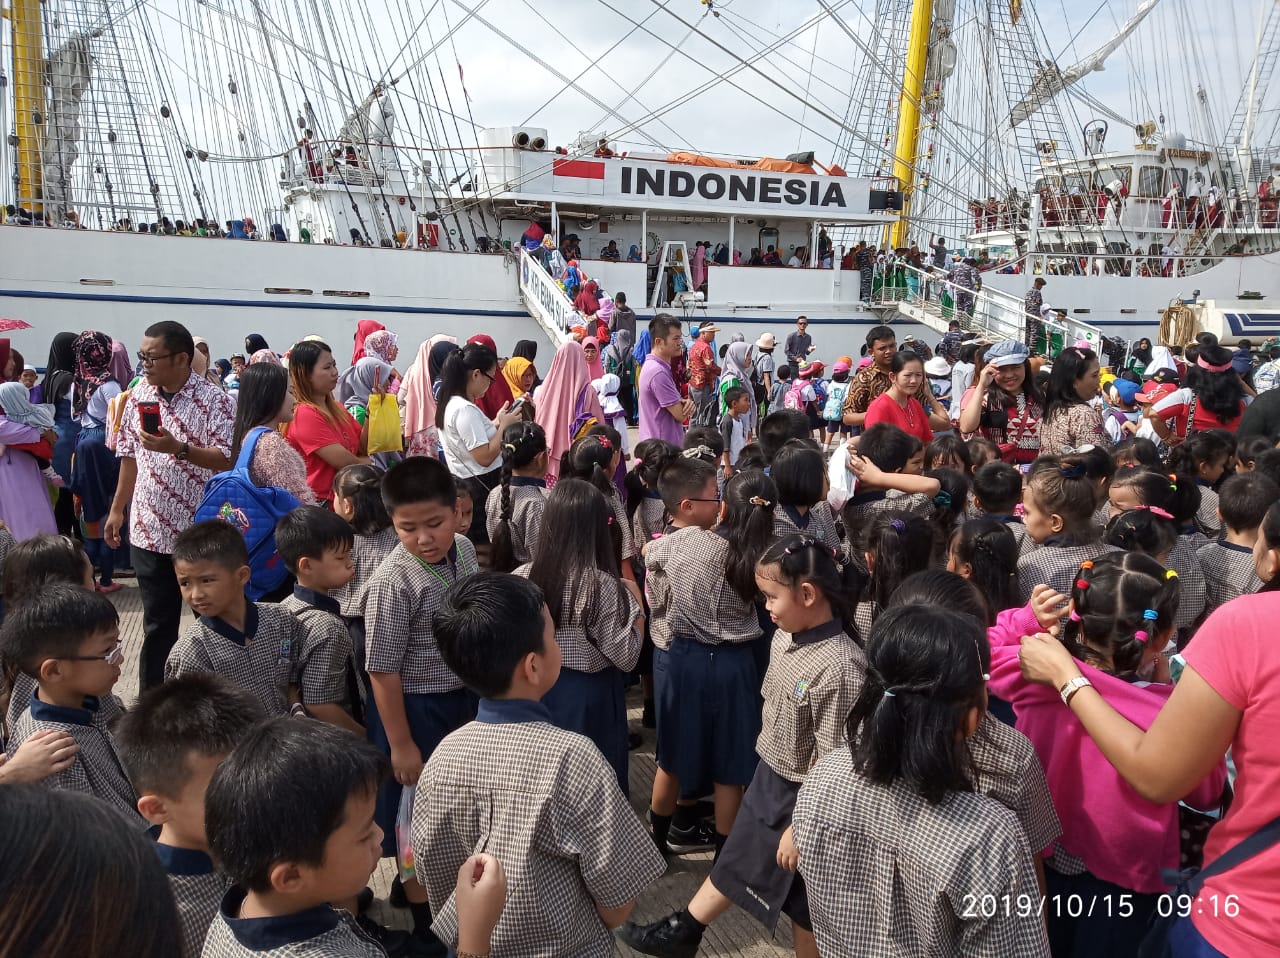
{"x": 605, "y": 636}
{"x": 649, "y": 520}
{"x": 1228, "y": 572}
{"x": 1009, "y": 771}
{"x": 818, "y": 522}
{"x": 546, "y": 804}
{"x": 1184, "y": 560}
{"x": 110, "y": 708}
{"x": 367, "y": 553}
{"x": 324, "y": 663}
{"x": 623, "y": 522}
{"x": 97, "y": 769}
{"x": 1055, "y": 565}
{"x": 702, "y": 605}
{"x": 321, "y": 932}
{"x": 862, "y": 510}
{"x": 528, "y": 500}
{"x": 657, "y": 585}
{"x": 197, "y": 888}
{"x": 263, "y": 659}
{"x": 888, "y": 873}
{"x": 402, "y": 598}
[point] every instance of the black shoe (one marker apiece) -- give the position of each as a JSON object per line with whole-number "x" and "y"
{"x": 670, "y": 937}
{"x": 695, "y": 839}
{"x": 396, "y": 898}
{"x": 646, "y": 717}
{"x": 393, "y": 941}
{"x": 634, "y": 741}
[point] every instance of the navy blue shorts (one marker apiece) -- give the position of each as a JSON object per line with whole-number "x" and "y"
{"x": 431, "y": 717}
{"x": 594, "y": 704}
{"x": 707, "y": 703}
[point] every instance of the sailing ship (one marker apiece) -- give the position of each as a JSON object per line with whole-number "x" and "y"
{"x": 124, "y": 160}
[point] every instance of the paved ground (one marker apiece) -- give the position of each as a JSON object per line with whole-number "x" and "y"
{"x": 733, "y": 935}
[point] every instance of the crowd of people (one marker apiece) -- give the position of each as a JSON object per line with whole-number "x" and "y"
{"x": 959, "y": 651}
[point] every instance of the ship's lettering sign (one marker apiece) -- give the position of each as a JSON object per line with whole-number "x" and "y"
{"x": 816, "y": 193}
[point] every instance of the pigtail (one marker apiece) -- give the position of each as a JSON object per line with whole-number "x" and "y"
{"x": 522, "y": 442}
{"x": 989, "y": 548}
{"x": 1122, "y": 603}
{"x": 1149, "y": 530}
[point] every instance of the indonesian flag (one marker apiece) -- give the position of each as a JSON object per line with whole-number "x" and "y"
{"x": 579, "y": 176}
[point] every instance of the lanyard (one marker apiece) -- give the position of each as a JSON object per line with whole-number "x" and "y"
{"x": 430, "y": 567}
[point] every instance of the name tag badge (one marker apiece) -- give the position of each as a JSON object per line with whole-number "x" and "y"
{"x": 286, "y": 650}
{"x": 802, "y": 687}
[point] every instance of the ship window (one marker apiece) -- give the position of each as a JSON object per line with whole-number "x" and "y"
{"x": 1149, "y": 180}
{"x": 1178, "y": 176}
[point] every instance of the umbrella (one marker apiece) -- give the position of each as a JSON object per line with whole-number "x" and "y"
{"x": 8, "y": 325}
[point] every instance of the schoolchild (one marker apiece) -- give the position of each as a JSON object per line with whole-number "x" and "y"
{"x": 513, "y": 511}
{"x": 882, "y": 551}
{"x": 1228, "y": 562}
{"x": 984, "y": 551}
{"x": 833, "y": 423}
{"x": 1171, "y": 499}
{"x": 887, "y": 465}
{"x": 702, "y": 593}
{"x": 1137, "y": 452}
{"x": 171, "y": 742}
{"x": 780, "y": 427}
{"x": 1249, "y": 449}
{"x": 1142, "y": 530}
{"x": 801, "y": 479}
{"x": 948, "y": 507}
{"x": 257, "y": 645}
{"x": 595, "y": 459}
{"x": 902, "y": 791}
{"x": 703, "y": 442}
{"x": 67, "y": 638}
{"x": 734, "y": 429}
{"x": 315, "y": 545}
{"x": 997, "y": 492}
{"x": 1121, "y": 616}
{"x": 597, "y": 616}
{"x": 644, "y": 501}
{"x": 948, "y": 451}
{"x": 290, "y": 821}
{"x": 751, "y": 457}
{"x": 1058, "y": 503}
{"x": 357, "y": 497}
{"x": 464, "y": 508}
{"x": 540, "y": 799}
{"x": 416, "y": 699}
{"x": 1206, "y": 457}
{"x": 781, "y": 384}
{"x": 815, "y": 671}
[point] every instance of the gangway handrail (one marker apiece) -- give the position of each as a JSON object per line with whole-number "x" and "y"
{"x": 545, "y": 300}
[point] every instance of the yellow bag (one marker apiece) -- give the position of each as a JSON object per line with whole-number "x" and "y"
{"x": 384, "y": 424}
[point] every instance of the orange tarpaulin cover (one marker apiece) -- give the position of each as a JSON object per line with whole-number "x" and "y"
{"x": 765, "y": 163}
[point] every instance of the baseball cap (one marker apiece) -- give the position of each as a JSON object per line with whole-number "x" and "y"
{"x": 1008, "y": 352}
{"x": 841, "y": 366}
{"x": 1125, "y": 389}
{"x": 1155, "y": 391}
{"x": 1164, "y": 375}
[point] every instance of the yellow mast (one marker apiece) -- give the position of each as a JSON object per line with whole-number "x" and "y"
{"x": 907, "y": 144}
{"x": 28, "y": 98}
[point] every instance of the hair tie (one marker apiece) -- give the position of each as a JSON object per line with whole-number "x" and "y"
{"x": 605, "y": 442}
{"x": 509, "y": 446}
{"x": 943, "y": 498}
{"x": 609, "y": 520}
{"x": 1073, "y": 615}
{"x": 697, "y": 452}
{"x": 1173, "y": 482}
{"x": 760, "y": 501}
{"x": 898, "y": 525}
{"x": 1157, "y": 511}
{"x": 890, "y": 693}
{"x": 1141, "y": 636}
{"x": 1210, "y": 367}
{"x": 1072, "y": 472}
{"x": 1170, "y": 574}
{"x": 1150, "y": 614}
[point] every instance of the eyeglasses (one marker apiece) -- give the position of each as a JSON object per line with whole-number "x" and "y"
{"x": 716, "y": 499}
{"x": 114, "y": 657}
{"x": 487, "y": 376}
{"x": 151, "y": 360}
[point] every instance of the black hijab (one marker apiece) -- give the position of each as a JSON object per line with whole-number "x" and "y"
{"x": 60, "y": 370}
{"x": 435, "y": 361}
{"x": 253, "y": 342}
{"x": 526, "y": 349}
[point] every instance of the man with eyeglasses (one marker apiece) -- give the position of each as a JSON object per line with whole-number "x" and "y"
{"x": 799, "y": 344}
{"x": 162, "y": 477}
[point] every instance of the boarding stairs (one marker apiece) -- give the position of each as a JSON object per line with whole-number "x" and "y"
{"x": 546, "y": 302}
{"x": 996, "y": 315}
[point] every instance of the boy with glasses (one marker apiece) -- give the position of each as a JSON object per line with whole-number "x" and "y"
{"x": 67, "y": 638}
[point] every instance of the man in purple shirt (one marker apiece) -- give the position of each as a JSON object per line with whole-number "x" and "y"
{"x": 662, "y": 409}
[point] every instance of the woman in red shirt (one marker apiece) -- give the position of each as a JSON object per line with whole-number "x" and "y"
{"x": 322, "y": 430}
{"x": 903, "y": 404}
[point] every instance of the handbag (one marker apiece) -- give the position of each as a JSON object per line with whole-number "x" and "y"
{"x": 384, "y": 424}
{"x": 1010, "y": 449}
{"x": 1189, "y": 881}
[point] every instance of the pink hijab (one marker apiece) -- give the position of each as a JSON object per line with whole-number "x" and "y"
{"x": 595, "y": 368}
{"x": 363, "y": 329}
{"x": 556, "y": 402}
{"x": 417, "y": 401}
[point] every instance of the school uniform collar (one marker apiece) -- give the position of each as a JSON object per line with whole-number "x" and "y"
{"x": 511, "y": 711}
{"x": 800, "y": 521}
{"x": 1061, "y": 541}
{"x": 1005, "y": 519}
{"x": 652, "y": 494}
{"x": 1204, "y": 483}
{"x": 1233, "y": 546}
{"x": 529, "y": 481}
{"x": 227, "y": 631}
{"x": 46, "y": 712}
{"x": 278, "y": 931}
{"x": 317, "y": 600}
{"x": 819, "y": 633}
{"x": 180, "y": 861}
{"x": 866, "y": 497}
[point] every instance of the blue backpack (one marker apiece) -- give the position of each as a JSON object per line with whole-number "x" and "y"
{"x": 232, "y": 497}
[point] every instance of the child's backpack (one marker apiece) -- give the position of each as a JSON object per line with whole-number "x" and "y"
{"x": 834, "y": 408}
{"x": 794, "y": 398}
{"x": 233, "y": 497}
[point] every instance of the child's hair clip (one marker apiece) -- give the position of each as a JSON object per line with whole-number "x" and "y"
{"x": 1141, "y": 636}
{"x": 1087, "y": 564}
{"x": 1170, "y": 574}
{"x": 1150, "y": 615}
{"x": 943, "y": 498}
{"x": 1173, "y": 482}
{"x": 604, "y": 442}
{"x": 760, "y": 501}
{"x": 509, "y": 447}
{"x": 1073, "y": 615}
{"x": 1072, "y": 472}
{"x": 697, "y": 452}
{"x": 1082, "y": 584}
{"x": 898, "y": 525}
{"x": 1157, "y": 511}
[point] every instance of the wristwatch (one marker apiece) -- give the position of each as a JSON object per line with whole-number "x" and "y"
{"x": 1072, "y": 687}
{"x": 184, "y": 453}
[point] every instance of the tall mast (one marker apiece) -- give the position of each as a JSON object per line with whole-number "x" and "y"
{"x": 28, "y": 98}
{"x": 907, "y": 143}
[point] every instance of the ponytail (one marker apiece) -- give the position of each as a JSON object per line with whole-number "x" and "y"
{"x": 901, "y": 544}
{"x": 457, "y": 369}
{"x": 1120, "y": 602}
{"x": 750, "y": 498}
{"x": 589, "y": 458}
{"x": 362, "y": 484}
{"x": 990, "y": 550}
{"x": 522, "y": 442}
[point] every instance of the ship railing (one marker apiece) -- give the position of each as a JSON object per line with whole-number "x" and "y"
{"x": 546, "y": 302}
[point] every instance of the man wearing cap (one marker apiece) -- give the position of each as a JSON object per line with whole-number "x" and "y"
{"x": 871, "y": 381}
{"x": 762, "y": 370}
{"x": 703, "y": 372}
{"x": 1032, "y": 306}
{"x": 799, "y": 344}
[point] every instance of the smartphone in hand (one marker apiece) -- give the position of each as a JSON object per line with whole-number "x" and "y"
{"x": 149, "y": 413}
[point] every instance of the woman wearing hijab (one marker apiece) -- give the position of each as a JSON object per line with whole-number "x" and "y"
{"x": 121, "y": 364}
{"x": 59, "y": 378}
{"x": 564, "y": 395}
{"x": 369, "y": 375}
{"x": 417, "y": 397}
{"x": 363, "y": 329}
{"x": 25, "y": 506}
{"x": 384, "y": 344}
{"x": 521, "y": 377}
{"x": 618, "y": 361}
{"x": 587, "y": 302}
{"x": 737, "y": 372}
{"x": 499, "y": 392}
{"x": 95, "y": 467}
{"x": 266, "y": 356}
{"x": 1140, "y": 356}
{"x": 591, "y": 351}
{"x": 254, "y": 342}
{"x": 201, "y": 364}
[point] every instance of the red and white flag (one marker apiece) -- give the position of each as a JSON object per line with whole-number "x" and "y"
{"x": 579, "y": 176}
